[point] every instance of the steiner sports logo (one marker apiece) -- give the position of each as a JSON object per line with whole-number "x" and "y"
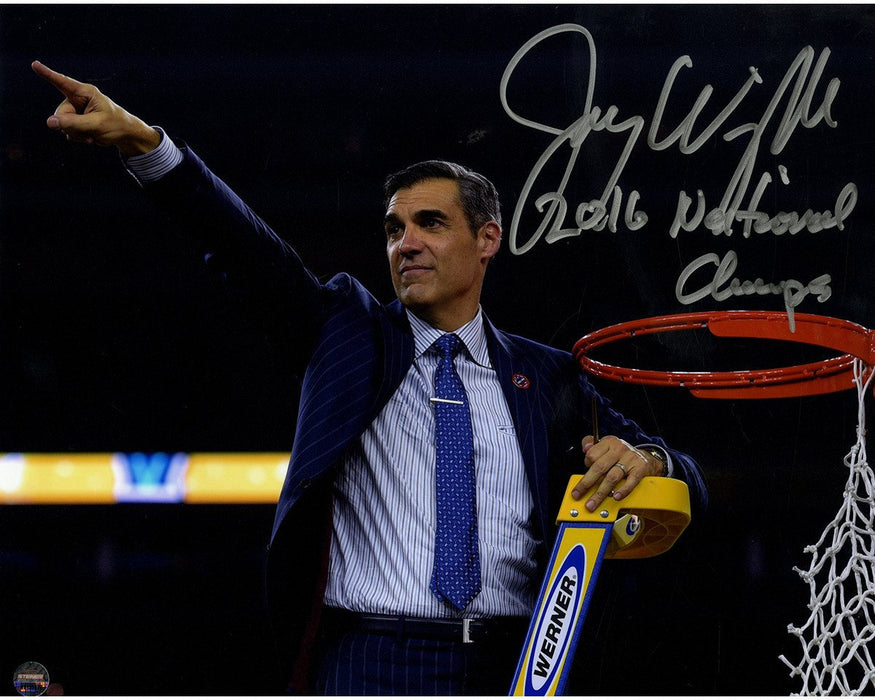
{"x": 558, "y": 618}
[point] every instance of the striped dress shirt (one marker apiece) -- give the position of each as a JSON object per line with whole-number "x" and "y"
{"x": 382, "y": 550}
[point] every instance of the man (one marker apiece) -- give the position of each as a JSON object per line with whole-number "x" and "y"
{"x": 431, "y": 450}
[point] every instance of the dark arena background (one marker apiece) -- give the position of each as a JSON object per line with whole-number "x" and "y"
{"x": 118, "y": 347}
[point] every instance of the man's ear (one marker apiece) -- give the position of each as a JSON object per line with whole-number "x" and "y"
{"x": 489, "y": 236}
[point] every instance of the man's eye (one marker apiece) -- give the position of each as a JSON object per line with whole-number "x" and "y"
{"x": 393, "y": 230}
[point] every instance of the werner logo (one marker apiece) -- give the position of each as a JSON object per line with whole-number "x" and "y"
{"x": 556, "y": 624}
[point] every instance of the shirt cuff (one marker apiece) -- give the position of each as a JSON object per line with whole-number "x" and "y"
{"x": 152, "y": 166}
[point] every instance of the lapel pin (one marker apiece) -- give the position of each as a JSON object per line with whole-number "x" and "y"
{"x": 521, "y": 381}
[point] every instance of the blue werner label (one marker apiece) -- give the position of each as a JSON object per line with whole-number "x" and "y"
{"x": 555, "y": 627}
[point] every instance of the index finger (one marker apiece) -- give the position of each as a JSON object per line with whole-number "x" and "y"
{"x": 67, "y": 86}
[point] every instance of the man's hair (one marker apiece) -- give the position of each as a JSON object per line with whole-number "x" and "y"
{"x": 477, "y": 195}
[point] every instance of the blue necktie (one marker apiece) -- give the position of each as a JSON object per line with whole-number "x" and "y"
{"x": 456, "y": 577}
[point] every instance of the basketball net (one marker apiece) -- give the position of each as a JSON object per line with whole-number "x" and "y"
{"x": 835, "y": 639}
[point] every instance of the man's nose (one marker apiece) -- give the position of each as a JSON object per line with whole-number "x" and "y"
{"x": 410, "y": 241}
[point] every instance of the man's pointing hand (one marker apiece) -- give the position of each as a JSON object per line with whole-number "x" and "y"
{"x": 88, "y": 116}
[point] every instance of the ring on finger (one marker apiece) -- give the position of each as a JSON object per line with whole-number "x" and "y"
{"x": 622, "y": 467}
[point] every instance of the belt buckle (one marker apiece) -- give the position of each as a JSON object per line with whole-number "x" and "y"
{"x": 466, "y": 630}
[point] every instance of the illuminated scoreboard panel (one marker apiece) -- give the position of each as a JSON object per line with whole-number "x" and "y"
{"x": 103, "y": 478}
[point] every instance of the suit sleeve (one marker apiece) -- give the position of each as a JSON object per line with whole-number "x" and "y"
{"x": 261, "y": 269}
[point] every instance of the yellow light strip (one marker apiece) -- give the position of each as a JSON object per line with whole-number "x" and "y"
{"x": 235, "y": 478}
{"x": 57, "y": 478}
{"x": 102, "y": 478}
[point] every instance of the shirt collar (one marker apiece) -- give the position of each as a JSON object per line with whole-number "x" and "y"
{"x": 472, "y": 335}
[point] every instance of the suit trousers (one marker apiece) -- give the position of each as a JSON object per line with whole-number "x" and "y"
{"x": 361, "y": 662}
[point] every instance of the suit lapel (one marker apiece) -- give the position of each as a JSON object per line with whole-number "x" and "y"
{"x": 397, "y": 355}
{"x": 520, "y": 384}
{"x": 358, "y": 364}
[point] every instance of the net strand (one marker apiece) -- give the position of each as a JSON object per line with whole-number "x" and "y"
{"x": 841, "y": 580}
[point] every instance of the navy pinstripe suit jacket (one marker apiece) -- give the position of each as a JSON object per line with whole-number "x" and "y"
{"x": 354, "y": 352}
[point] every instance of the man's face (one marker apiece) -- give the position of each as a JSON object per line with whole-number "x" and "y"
{"x": 437, "y": 263}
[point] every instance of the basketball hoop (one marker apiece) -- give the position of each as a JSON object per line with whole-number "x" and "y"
{"x": 835, "y": 374}
{"x": 839, "y": 629}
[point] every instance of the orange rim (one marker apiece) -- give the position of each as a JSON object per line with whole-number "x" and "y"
{"x": 835, "y": 374}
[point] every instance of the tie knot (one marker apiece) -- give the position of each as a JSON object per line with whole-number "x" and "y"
{"x": 449, "y": 344}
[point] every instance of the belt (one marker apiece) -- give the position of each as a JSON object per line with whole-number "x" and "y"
{"x": 465, "y": 630}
